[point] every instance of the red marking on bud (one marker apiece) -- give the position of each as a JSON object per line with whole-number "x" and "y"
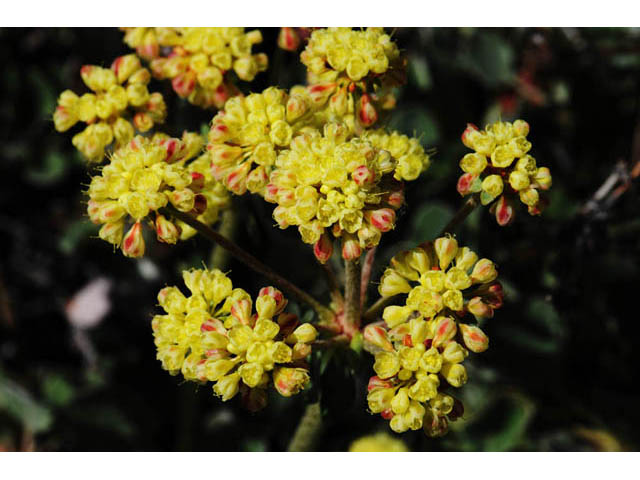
{"x": 387, "y": 414}
{"x": 199, "y": 204}
{"x": 184, "y": 84}
{"x": 382, "y": 219}
{"x": 464, "y": 183}
{"x": 471, "y": 128}
{"x": 367, "y": 112}
{"x": 363, "y": 175}
{"x": 377, "y": 382}
{"x": 504, "y": 211}
{"x": 406, "y": 341}
{"x": 197, "y": 181}
{"x": 323, "y": 248}
{"x": 395, "y": 199}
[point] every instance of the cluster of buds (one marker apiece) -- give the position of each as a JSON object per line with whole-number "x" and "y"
{"x": 197, "y": 59}
{"x": 423, "y": 343}
{"x": 144, "y": 176}
{"x": 326, "y": 184}
{"x": 247, "y": 135}
{"x": 213, "y": 335}
{"x": 119, "y": 106}
{"x": 501, "y": 168}
{"x": 350, "y": 73}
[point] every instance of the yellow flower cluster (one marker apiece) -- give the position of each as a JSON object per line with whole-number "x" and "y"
{"x": 379, "y": 442}
{"x": 326, "y": 181}
{"x": 350, "y": 73}
{"x": 422, "y": 343}
{"x": 119, "y": 105}
{"x": 213, "y": 336}
{"x": 341, "y": 52}
{"x": 501, "y": 168}
{"x": 246, "y": 136}
{"x": 144, "y": 176}
{"x": 197, "y": 59}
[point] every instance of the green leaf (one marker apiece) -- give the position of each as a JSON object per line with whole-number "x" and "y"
{"x": 19, "y": 404}
{"x": 429, "y": 221}
{"x": 52, "y": 169}
{"x": 419, "y": 73}
{"x": 517, "y": 412}
{"x": 57, "y": 390}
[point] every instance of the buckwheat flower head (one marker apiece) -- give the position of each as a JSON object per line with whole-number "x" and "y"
{"x": 142, "y": 177}
{"x": 214, "y": 335}
{"x": 198, "y": 60}
{"x": 501, "y": 168}
{"x": 420, "y": 346}
{"x": 326, "y": 183}
{"x": 120, "y": 104}
{"x": 245, "y": 137}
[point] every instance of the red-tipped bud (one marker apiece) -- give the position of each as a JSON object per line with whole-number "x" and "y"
{"x": 469, "y": 134}
{"x": 277, "y": 295}
{"x": 474, "y": 338}
{"x": 367, "y": 113}
{"x": 323, "y": 248}
{"x": 395, "y": 199}
{"x": 363, "y": 176}
{"x": 479, "y": 309}
{"x": 241, "y": 311}
{"x": 445, "y": 330}
{"x": 288, "y": 39}
{"x": 376, "y": 339}
{"x": 467, "y": 183}
{"x": 289, "y": 381}
{"x": 143, "y": 121}
{"x": 319, "y": 94}
{"x": 377, "y": 382}
{"x": 174, "y": 148}
{"x": 199, "y": 204}
{"x": 133, "y": 243}
{"x": 495, "y": 296}
{"x": 213, "y": 325}
{"x": 237, "y": 179}
{"x": 166, "y": 231}
{"x": 382, "y": 219}
{"x": 351, "y": 249}
{"x": 504, "y": 211}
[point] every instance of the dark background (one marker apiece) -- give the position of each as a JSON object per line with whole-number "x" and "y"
{"x": 561, "y": 371}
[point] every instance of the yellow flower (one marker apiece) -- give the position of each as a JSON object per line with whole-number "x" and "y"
{"x": 213, "y": 336}
{"x": 120, "y": 101}
{"x": 379, "y": 442}
{"x": 197, "y": 59}
{"x": 507, "y": 147}
{"x": 144, "y": 176}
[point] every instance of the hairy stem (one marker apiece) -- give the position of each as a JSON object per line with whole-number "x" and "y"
{"x": 308, "y": 429}
{"x": 367, "y": 268}
{"x": 252, "y": 262}
{"x": 351, "y": 296}
{"x": 467, "y": 207}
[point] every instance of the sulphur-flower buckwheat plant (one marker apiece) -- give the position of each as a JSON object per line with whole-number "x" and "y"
{"x": 120, "y": 105}
{"x": 213, "y": 335}
{"x": 501, "y": 168}
{"x": 197, "y": 59}
{"x": 322, "y": 155}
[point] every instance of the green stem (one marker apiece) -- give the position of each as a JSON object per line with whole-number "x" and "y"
{"x": 351, "y": 296}
{"x": 324, "y": 313}
{"x": 467, "y": 207}
{"x": 308, "y": 429}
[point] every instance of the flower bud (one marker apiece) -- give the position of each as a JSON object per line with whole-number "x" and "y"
{"x": 227, "y": 387}
{"x": 363, "y": 176}
{"x": 520, "y": 128}
{"x": 382, "y": 219}
{"x": 367, "y": 111}
{"x": 504, "y": 211}
{"x": 454, "y": 353}
{"x": 395, "y": 315}
{"x": 529, "y": 197}
{"x": 474, "y": 338}
{"x": 468, "y": 183}
{"x": 469, "y": 135}
{"x": 387, "y": 364}
{"x": 479, "y": 309}
{"x": 133, "y": 243}
{"x": 455, "y": 374}
{"x": 394, "y": 199}
{"x": 376, "y": 339}
{"x": 182, "y": 199}
{"x": 518, "y": 180}
{"x": 323, "y": 248}
{"x": 431, "y": 360}
{"x": 400, "y": 402}
{"x": 290, "y": 381}
{"x": 125, "y": 66}
{"x": 492, "y": 186}
{"x": 376, "y": 382}
{"x": 473, "y": 163}
{"x": 241, "y": 311}
{"x": 392, "y": 284}
{"x": 446, "y": 249}
{"x": 434, "y": 425}
{"x": 280, "y": 300}
{"x": 288, "y": 39}
{"x": 351, "y": 249}
{"x": 166, "y": 231}
{"x": 305, "y": 333}
{"x": 184, "y": 84}
{"x": 445, "y": 330}
{"x": 542, "y": 178}
{"x": 300, "y": 351}
{"x": 112, "y": 232}
{"x": 237, "y": 180}
{"x": 216, "y": 369}
{"x": 379, "y": 400}
{"x": 484, "y": 271}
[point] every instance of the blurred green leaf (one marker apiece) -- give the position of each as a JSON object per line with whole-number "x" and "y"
{"x": 429, "y": 220}
{"x": 19, "y": 404}
{"x": 517, "y": 412}
{"x": 106, "y": 417}
{"x": 490, "y": 58}
{"x": 57, "y": 390}
{"x": 542, "y": 331}
{"x": 75, "y": 233}
{"x": 52, "y": 169}
{"x": 419, "y": 72}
